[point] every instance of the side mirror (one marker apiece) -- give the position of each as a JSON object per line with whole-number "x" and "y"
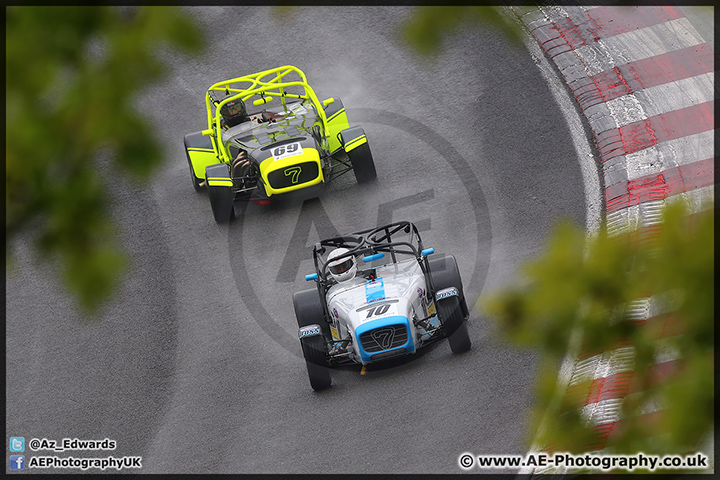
{"x": 371, "y": 258}
{"x": 427, "y": 252}
{"x": 207, "y": 133}
{"x": 328, "y": 101}
{"x": 263, "y": 100}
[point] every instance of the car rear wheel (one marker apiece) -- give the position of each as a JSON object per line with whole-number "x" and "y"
{"x": 454, "y": 323}
{"x": 362, "y": 163}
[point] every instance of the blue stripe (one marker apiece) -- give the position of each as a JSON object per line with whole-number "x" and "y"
{"x": 374, "y": 291}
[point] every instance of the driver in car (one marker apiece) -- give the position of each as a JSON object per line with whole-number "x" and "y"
{"x": 344, "y": 269}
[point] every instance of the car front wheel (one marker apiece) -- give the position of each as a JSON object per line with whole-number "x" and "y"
{"x": 315, "y": 358}
{"x": 195, "y": 180}
{"x": 362, "y": 163}
{"x": 453, "y": 320}
{"x": 309, "y": 311}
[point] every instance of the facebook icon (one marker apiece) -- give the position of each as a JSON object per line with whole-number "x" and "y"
{"x": 17, "y": 462}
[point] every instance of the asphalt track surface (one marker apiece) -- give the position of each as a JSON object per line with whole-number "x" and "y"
{"x": 195, "y": 364}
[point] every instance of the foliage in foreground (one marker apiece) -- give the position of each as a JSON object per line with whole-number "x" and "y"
{"x": 586, "y": 286}
{"x": 72, "y": 74}
{"x": 428, "y": 27}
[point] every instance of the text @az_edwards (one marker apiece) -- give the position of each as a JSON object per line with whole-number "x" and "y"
{"x": 71, "y": 444}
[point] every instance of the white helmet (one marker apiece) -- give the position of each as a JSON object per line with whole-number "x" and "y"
{"x": 343, "y": 269}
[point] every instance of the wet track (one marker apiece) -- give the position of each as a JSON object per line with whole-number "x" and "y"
{"x": 196, "y": 366}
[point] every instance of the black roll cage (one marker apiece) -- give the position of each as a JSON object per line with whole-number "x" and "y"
{"x": 369, "y": 242}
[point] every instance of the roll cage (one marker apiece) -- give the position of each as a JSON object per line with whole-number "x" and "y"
{"x": 369, "y": 243}
{"x": 266, "y": 85}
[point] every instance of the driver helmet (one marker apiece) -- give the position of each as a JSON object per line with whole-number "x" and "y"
{"x": 343, "y": 269}
{"x": 234, "y": 113}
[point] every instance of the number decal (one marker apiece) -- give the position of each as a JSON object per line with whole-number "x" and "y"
{"x": 379, "y": 310}
{"x": 289, "y": 150}
{"x": 294, "y": 173}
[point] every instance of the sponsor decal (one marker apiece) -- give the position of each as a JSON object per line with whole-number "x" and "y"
{"x": 448, "y": 292}
{"x": 309, "y": 331}
{"x": 420, "y": 292}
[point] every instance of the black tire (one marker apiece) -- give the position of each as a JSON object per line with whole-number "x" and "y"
{"x": 195, "y": 180}
{"x": 314, "y": 351}
{"x": 454, "y": 323}
{"x": 362, "y": 163}
{"x": 221, "y": 202}
{"x": 445, "y": 274}
{"x": 309, "y": 311}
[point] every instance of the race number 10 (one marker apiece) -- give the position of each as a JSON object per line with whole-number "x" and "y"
{"x": 379, "y": 310}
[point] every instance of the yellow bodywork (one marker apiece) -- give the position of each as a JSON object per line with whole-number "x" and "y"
{"x": 201, "y": 158}
{"x": 271, "y": 164}
{"x": 337, "y": 122}
{"x": 355, "y": 142}
{"x": 219, "y": 182}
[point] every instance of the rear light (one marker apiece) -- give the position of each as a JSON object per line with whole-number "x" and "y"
{"x": 260, "y": 202}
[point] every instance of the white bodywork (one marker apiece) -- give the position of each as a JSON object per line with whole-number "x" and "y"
{"x": 398, "y": 292}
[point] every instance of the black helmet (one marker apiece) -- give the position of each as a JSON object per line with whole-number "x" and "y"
{"x": 234, "y": 113}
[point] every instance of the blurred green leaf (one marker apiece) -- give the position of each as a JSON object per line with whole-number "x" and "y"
{"x": 72, "y": 74}
{"x": 430, "y": 25}
{"x": 567, "y": 289}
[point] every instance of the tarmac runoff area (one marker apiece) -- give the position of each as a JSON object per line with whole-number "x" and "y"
{"x": 644, "y": 79}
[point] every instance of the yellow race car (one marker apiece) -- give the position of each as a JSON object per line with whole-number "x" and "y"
{"x": 268, "y": 135}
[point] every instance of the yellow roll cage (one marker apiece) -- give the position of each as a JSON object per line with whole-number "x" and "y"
{"x": 269, "y": 83}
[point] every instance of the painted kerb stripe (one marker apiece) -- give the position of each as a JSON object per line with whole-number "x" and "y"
{"x": 585, "y": 27}
{"x": 650, "y": 72}
{"x": 684, "y": 178}
{"x": 610, "y": 21}
{"x": 660, "y": 128}
{"x": 639, "y": 44}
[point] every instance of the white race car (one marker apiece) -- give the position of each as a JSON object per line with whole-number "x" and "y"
{"x": 378, "y": 296}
